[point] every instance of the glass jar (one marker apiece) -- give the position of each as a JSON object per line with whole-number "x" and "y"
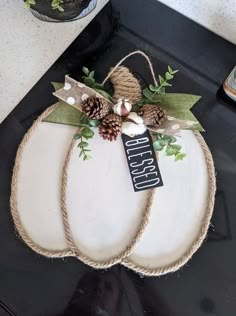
{"x": 73, "y": 10}
{"x": 230, "y": 85}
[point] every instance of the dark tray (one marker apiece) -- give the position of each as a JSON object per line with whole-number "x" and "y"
{"x": 31, "y": 285}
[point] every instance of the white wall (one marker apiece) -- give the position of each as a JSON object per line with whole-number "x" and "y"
{"x": 218, "y": 16}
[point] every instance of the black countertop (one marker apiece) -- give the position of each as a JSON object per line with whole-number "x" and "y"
{"x": 31, "y": 285}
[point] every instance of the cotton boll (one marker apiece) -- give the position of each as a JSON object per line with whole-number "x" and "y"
{"x": 122, "y": 107}
{"x": 134, "y": 125}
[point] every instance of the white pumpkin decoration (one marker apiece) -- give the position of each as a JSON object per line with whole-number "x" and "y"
{"x": 103, "y": 211}
{"x": 63, "y": 206}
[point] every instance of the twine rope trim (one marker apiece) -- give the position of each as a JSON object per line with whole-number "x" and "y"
{"x": 73, "y": 251}
{"x": 126, "y": 57}
{"x": 13, "y": 198}
{"x": 204, "y": 225}
{"x": 77, "y": 252}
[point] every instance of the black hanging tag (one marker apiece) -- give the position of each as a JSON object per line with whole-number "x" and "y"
{"x": 141, "y": 158}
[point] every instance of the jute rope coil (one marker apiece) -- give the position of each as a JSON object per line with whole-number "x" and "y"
{"x": 125, "y": 85}
{"x": 204, "y": 225}
{"x": 13, "y": 199}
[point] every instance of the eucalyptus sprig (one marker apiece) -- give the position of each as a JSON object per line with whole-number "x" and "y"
{"x": 151, "y": 92}
{"x": 168, "y": 145}
{"x": 84, "y": 134}
{"x": 89, "y": 80}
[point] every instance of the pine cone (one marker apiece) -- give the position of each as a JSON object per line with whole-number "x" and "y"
{"x": 110, "y": 127}
{"x": 152, "y": 115}
{"x": 95, "y": 108}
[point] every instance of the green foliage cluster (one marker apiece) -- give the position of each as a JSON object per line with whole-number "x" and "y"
{"x": 150, "y": 93}
{"x": 55, "y": 4}
{"x": 89, "y": 80}
{"x": 168, "y": 145}
{"x": 86, "y": 124}
{"x": 165, "y": 143}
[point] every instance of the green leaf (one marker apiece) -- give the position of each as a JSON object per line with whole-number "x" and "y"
{"x": 168, "y": 76}
{"x": 161, "y": 79}
{"x": 87, "y": 133}
{"x": 94, "y": 123}
{"x": 104, "y": 94}
{"x": 87, "y": 157}
{"x": 168, "y": 139}
{"x": 180, "y": 156}
{"x": 28, "y": 3}
{"x": 153, "y": 88}
{"x": 166, "y": 84}
{"x": 82, "y": 125}
{"x": 84, "y": 120}
{"x": 164, "y": 142}
{"x": 98, "y": 86}
{"x": 157, "y": 145}
{"x": 148, "y": 94}
{"x": 76, "y": 136}
{"x": 172, "y": 140}
{"x": 169, "y": 69}
{"x": 89, "y": 81}
{"x": 91, "y": 74}
{"x": 175, "y": 146}
{"x": 81, "y": 153}
{"x": 170, "y": 151}
{"x": 83, "y": 144}
{"x": 60, "y": 9}
{"x": 57, "y": 85}
{"x": 140, "y": 103}
{"x": 85, "y": 71}
{"x": 162, "y": 91}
